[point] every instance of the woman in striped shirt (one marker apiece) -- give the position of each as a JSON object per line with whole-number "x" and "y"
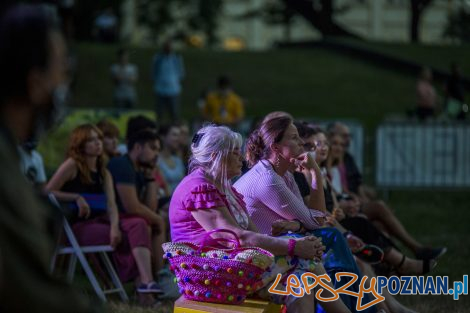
{"x": 273, "y": 199}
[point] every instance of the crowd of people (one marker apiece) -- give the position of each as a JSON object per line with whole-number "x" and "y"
{"x": 290, "y": 188}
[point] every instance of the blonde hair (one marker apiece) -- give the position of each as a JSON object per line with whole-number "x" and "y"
{"x": 210, "y": 150}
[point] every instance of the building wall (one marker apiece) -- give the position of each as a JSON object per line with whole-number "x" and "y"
{"x": 385, "y": 20}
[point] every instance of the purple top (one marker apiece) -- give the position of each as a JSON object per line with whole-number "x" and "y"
{"x": 270, "y": 197}
{"x": 194, "y": 192}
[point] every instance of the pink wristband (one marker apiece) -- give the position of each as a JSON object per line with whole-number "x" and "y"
{"x": 291, "y": 247}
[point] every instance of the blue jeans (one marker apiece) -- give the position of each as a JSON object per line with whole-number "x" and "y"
{"x": 340, "y": 260}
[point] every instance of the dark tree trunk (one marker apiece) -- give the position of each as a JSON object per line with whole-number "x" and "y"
{"x": 417, "y": 8}
{"x": 320, "y": 18}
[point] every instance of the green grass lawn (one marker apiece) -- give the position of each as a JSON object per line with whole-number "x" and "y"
{"x": 436, "y": 56}
{"x": 318, "y": 84}
{"x": 440, "y": 219}
{"x": 308, "y": 83}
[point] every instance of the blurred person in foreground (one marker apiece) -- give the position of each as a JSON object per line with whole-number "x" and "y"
{"x": 32, "y": 59}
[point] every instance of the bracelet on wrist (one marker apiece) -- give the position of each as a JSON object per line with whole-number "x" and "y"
{"x": 347, "y": 234}
{"x": 291, "y": 247}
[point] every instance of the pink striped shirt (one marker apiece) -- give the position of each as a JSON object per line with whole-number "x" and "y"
{"x": 270, "y": 197}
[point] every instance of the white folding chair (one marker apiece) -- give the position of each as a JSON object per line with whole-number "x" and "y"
{"x": 78, "y": 252}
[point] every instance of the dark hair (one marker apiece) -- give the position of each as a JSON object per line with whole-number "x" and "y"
{"x": 142, "y": 137}
{"x": 138, "y": 123}
{"x": 24, "y": 45}
{"x": 269, "y": 132}
{"x": 306, "y": 131}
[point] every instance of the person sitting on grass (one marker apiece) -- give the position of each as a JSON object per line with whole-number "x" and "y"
{"x": 205, "y": 200}
{"x": 82, "y": 174}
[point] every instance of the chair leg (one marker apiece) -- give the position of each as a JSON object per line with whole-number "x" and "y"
{"x": 91, "y": 276}
{"x": 72, "y": 267}
{"x": 114, "y": 277}
{"x": 54, "y": 259}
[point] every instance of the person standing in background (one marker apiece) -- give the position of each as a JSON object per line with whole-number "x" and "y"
{"x": 425, "y": 95}
{"x": 106, "y": 26}
{"x": 124, "y": 75}
{"x": 167, "y": 74}
{"x": 223, "y": 106}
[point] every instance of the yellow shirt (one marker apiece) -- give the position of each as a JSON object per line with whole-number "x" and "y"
{"x": 223, "y": 109}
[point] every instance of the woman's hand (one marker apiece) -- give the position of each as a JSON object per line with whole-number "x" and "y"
{"x": 304, "y": 162}
{"x": 310, "y": 248}
{"x": 83, "y": 207}
{"x": 284, "y": 226}
{"x": 355, "y": 243}
{"x": 338, "y": 214}
{"x": 331, "y": 220}
{"x": 115, "y": 236}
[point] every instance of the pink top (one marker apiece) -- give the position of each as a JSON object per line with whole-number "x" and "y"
{"x": 195, "y": 192}
{"x": 270, "y": 197}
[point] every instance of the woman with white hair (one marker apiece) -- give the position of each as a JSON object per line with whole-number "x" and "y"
{"x": 205, "y": 200}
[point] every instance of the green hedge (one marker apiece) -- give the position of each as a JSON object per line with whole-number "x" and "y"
{"x": 53, "y": 146}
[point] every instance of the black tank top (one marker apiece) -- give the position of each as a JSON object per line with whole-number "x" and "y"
{"x": 78, "y": 186}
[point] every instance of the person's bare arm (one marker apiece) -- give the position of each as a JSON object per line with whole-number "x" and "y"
{"x": 66, "y": 172}
{"x": 115, "y": 233}
{"x": 128, "y": 195}
{"x": 316, "y": 199}
{"x": 151, "y": 198}
{"x": 209, "y": 219}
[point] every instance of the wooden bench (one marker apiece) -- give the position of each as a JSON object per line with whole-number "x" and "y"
{"x": 183, "y": 305}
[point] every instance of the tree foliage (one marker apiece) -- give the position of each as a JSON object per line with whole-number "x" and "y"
{"x": 458, "y": 26}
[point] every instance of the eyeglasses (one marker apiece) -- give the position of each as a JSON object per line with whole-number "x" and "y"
{"x": 321, "y": 144}
{"x": 309, "y": 147}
